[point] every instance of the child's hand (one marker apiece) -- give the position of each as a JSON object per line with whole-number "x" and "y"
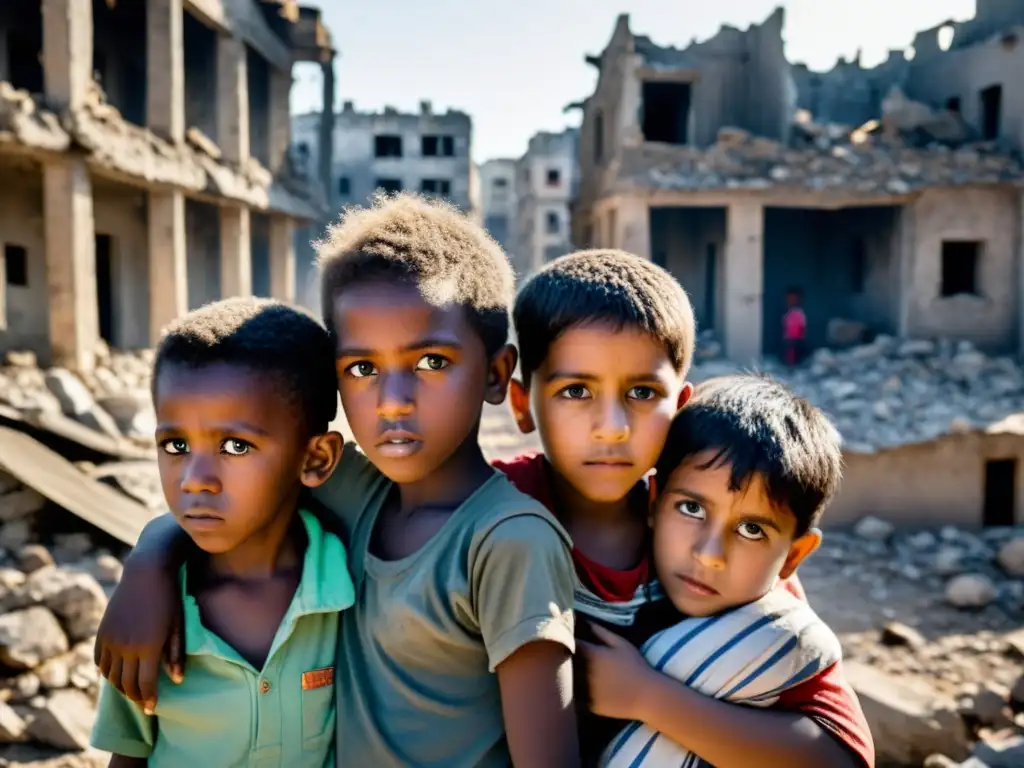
{"x": 616, "y": 675}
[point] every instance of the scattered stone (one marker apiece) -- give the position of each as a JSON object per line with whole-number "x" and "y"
{"x": 971, "y": 590}
{"x": 12, "y": 727}
{"x": 15, "y": 534}
{"x": 29, "y": 637}
{"x": 107, "y": 569}
{"x": 33, "y": 557}
{"x": 74, "y": 596}
{"x": 72, "y": 547}
{"x": 1011, "y": 557}
{"x": 896, "y": 633}
{"x": 66, "y": 720}
{"x": 989, "y": 706}
{"x": 77, "y": 402}
{"x": 874, "y": 529}
{"x": 20, "y": 503}
{"x": 55, "y": 673}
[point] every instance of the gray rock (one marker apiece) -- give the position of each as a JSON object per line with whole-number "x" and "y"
{"x": 1011, "y": 557}
{"x": 74, "y": 596}
{"x": 970, "y": 590}
{"x": 77, "y": 402}
{"x": 66, "y": 721}
{"x": 873, "y": 529}
{"x": 30, "y": 637}
{"x": 20, "y": 503}
{"x": 33, "y": 557}
{"x": 896, "y": 633}
{"x": 15, "y": 534}
{"x": 12, "y": 727}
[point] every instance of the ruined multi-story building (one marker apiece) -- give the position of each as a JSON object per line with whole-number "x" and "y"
{"x": 392, "y": 151}
{"x": 144, "y": 163}
{"x": 498, "y": 207}
{"x": 699, "y": 159}
{"x": 546, "y": 183}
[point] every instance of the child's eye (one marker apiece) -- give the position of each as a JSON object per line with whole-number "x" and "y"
{"x": 361, "y": 369}
{"x": 575, "y": 392}
{"x": 751, "y": 531}
{"x": 692, "y": 509}
{"x": 432, "y": 363}
{"x": 235, "y": 447}
{"x": 175, "y": 446}
{"x": 641, "y": 393}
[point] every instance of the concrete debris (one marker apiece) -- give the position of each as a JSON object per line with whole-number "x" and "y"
{"x": 903, "y": 152}
{"x": 971, "y": 590}
{"x": 890, "y": 393}
{"x": 30, "y": 637}
{"x": 23, "y": 123}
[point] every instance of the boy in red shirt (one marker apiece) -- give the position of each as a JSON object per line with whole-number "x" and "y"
{"x": 794, "y": 328}
{"x": 606, "y": 340}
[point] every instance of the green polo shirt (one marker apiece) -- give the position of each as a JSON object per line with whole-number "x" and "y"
{"x": 227, "y": 713}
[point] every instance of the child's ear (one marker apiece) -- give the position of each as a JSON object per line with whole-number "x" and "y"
{"x": 520, "y": 400}
{"x": 684, "y": 395}
{"x": 502, "y": 365}
{"x": 799, "y": 550}
{"x": 322, "y": 455}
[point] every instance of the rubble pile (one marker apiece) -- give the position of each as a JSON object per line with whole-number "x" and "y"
{"x": 910, "y": 147}
{"x": 894, "y": 392}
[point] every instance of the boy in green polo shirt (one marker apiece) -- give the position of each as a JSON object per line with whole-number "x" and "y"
{"x": 244, "y": 392}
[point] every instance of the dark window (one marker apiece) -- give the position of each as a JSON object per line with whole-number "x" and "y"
{"x": 666, "y": 112}
{"x": 16, "y": 264}
{"x": 389, "y": 185}
{"x": 553, "y": 223}
{"x": 858, "y": 264}
{"x": 554, "y": 177}
{"x": 991, "y": 112}
{"x": 24, "y": 48}
{"x": 436, "y": 187}
{"x": 1000, "y": 487}
{"x": 447, "y": 146}
{"x": 105, "y": 286}
{"x": 437, "y": 146}
{"x": 710, "y": 283}
{"x": 499, "y": 183}
{"x": 387, "y": 145}
{"x": 428, "y": 146}
{"x": 953, "y": 104}
{"x": 598, "y": 137}
{"x": 344, "y": 186}
{"x": 960, "y": 267}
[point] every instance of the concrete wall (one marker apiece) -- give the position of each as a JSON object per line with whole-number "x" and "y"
{"x": 21, "y": 224}
{"x": 497, "y": 180}
{"x": 200, "y": 85}
{"x": 936, "y": 483}
{"x": 260, "y": 235}
{"x": 354, "y": 151}
{"x": 202, "y": 232}
{"x": 689, "y": 243}
{"x": 120, "y": 213}
{"x": 539, "y": 201}
{"x": 119, "y": 35}
{"x": 990, "y": 216}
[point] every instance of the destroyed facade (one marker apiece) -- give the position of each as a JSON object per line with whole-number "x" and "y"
{"x": 498, "y": 204}
{"x": 144, "y": 164}
{"x": 908, "y": 225}
{"x": 546, "y": 183}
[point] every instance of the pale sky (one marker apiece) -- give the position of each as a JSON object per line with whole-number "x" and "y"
{"x": 513, "y": 65}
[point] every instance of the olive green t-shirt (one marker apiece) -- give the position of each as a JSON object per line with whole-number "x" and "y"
{"x": 417, "y": 652}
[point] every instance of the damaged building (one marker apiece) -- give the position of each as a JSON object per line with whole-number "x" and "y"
{"x": 546, "y": 182}
{"x": 904, "y": 220}
{"x": 144, "y": 164}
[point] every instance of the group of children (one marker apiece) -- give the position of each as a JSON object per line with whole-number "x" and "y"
{"x": 627, "y": 597}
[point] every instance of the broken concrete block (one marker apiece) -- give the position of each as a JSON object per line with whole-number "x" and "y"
{"x": 74, "y": 596}
{"x": 909, "y": 720}
{"x": 133, "y": 413}
{"x": 12, "y": 727}
{"x": 77, "y": 402}
{"x": 970, "y": 590}
{"x": 30, "y": 637}
{"x": 15, "y": 534}
{"x": 896, "y": 633}
{"x": 1011, "y": 557}
{"x": 32, "y": 557}
{"x": 20, "y": 503}
{"x": 66, "y": 721}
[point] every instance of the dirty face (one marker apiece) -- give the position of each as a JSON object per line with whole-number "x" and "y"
{"x": 715, "y": 548}
{"x": 413, "y": 378}
{"x": 603, "y": 400}
{"x": 230, "y": 456}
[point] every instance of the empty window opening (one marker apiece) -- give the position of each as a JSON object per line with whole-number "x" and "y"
{"x": 387, "y": 145}
{"x": 710, "y": 283}
{"x": 960, "y": 267}
{"x": 554, "y": 177}
{"x": 344, "y": 186}
{"x": 666, "y": 112}
{"x": 438, "y": 146}
{"x": 391, "y": 186}
{"x": 119, "y": 56}
{"x": 553, "y": 223}
{"x": 200, "y": 44}
{"x": 499, "y": 183}
{"x": 598, "y": 137}
{"x": 953, "y": 104}
{"x": 1000, "y": 492}
{"x": 16, "y": 265}
{"x": 24, "y": 52}
{"x": 441, "y": 187}
{"x": 105, "y": 286}
{"x": 991, "y": 112}
{"x": 858, "y": 264}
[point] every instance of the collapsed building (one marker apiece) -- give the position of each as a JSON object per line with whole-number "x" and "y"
{"x": 892, "y": 199}
{"x": 144, "y": 164}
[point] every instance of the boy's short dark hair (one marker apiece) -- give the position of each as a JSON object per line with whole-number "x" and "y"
{"x": 758, "y": 427}
{"x": 265, "y": 336}
{"x": 608, "y": 286}
{"x": 429, "y": 243}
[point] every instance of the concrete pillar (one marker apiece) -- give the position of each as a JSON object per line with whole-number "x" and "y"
{"x": 326, "y": 150}
{"x": 235, "y": 252}
{"x": 280, "y": 117}
{"x": 70, "y": 263}
{"x": 168, "y": 263}
{"x": 633, "y": 222}
{"x": 165, "y": 69}
{"x": 743, "y": 275}
{"x": 232, "y": 99}
{"x": 282, "y": 258}
{"x": 67, "y": 51}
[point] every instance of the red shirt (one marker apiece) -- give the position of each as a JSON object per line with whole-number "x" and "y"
{"x": 827, "y": 697}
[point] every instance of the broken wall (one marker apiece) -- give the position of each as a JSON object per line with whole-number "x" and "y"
{"x": 990, "y": 218}
{"x": 119, "y": 56}
{"x": 689, "y": 243}
{"x": 200, "y": 77}
{"x": 21, "y": 224}
{"x": 771, "y": 94}
{"x": 21, "y": 40}
{"x": 121, "y": 215}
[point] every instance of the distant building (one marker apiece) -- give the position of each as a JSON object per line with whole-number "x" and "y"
{"x": 498, "y": 202}
{"x": 546, "y": 180}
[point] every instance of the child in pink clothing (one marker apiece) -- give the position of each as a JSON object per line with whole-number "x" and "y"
{"x": 794, "y": 328}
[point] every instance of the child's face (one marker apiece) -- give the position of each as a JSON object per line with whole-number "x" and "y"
{"x": 413, "y": 377}
{"x": 715, "y": 548}
{"x": 232, "y": 460}
{"x": 603, "y": 400}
